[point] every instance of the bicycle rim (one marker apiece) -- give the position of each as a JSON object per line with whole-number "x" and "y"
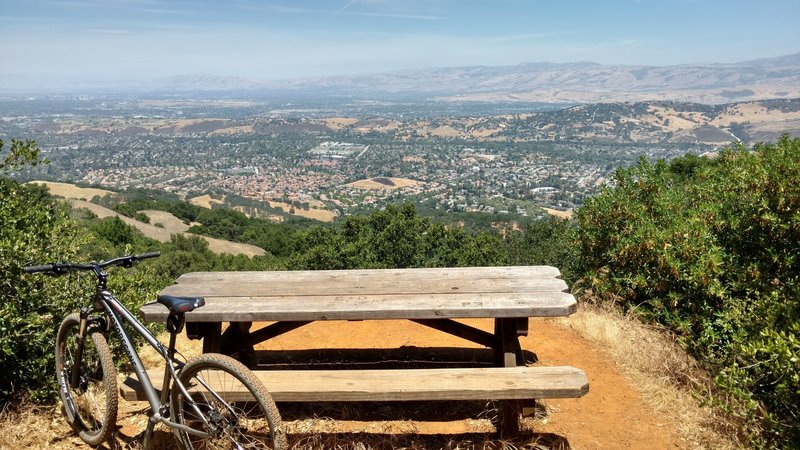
{"x": 233, "y": 408}
{"x": 90, "y": 405}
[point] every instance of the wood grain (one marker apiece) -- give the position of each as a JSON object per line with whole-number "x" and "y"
{"x": 495, "y": 383}
{"x": 533, "y": 291}
{"x": 368, "y": 307}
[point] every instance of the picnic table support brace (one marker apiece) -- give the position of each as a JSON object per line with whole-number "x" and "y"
{"x": 463, "y": 331}
{"x": 245, "y": 339}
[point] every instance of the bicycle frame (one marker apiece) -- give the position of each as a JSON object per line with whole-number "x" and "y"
{"x": 118, "y": 314}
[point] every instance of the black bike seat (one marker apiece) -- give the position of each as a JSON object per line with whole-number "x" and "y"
{"x": 180, "y": 305}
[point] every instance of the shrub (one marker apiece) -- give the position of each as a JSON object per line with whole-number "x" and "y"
{"x": 33, "y": 229}
{"x": 712, "y": 249}
{"x": 37, "y": 229}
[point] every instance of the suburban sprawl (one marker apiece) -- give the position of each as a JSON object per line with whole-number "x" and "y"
{"x": 336, "y": 160}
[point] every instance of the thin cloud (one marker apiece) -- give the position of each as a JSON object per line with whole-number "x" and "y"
{"x": 343, "y": 8}
{"x": 529, "y": 36}
{"x": 394, "y": 15}
{"x": 286, "y": 9}
{"x": 104, "y": 31}
{"x": 347, "y": 9}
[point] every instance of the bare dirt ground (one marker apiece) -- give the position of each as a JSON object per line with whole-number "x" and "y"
{"x": 624, "y": 409}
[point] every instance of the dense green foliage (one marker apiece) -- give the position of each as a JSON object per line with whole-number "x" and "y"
{"x": 36, "y": 229}
{"x": 396, "y": 237}
{"x": 278, "y": 239}
{"x": 712, "y": 249}
{"x": 32, "y": 228}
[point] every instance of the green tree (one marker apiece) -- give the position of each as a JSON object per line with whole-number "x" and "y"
{"x": 396, "y": 237}
{"x": 115, "y": 231}
{"x": 549, "y": 241}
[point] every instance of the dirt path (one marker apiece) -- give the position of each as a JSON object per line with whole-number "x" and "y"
{"x": 612, "y": 415}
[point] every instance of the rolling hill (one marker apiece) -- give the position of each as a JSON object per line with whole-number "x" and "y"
{"x": 583, "y": 82}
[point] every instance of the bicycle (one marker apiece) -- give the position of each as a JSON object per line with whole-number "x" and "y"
{"x": 210, "y": 400}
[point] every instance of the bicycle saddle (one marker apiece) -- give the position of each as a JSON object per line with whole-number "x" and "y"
{"x": 180, "y": 305}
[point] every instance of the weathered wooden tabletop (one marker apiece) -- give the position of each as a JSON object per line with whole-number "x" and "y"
{"x": 493, "y": 292}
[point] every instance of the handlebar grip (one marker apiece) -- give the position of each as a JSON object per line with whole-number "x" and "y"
{"x": 148, "y": 255}
{"x": 38, "y": 269}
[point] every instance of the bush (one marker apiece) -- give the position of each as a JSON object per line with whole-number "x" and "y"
{"x": 35, "y": 229}
{"x": 712, "y": 249}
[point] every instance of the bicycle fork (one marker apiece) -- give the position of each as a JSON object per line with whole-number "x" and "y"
{"x": 77, "y": 359}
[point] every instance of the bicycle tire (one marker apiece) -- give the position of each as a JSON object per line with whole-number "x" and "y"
{"x": 251, "y": 420}
{"x": 91, "y": 406}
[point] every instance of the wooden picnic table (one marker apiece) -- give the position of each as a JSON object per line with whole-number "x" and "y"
{"x": 431, "y": 297}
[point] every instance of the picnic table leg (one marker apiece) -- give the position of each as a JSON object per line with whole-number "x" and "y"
{"x": 209, "y": 332}
{"x": 237, "y": 332}
{"x": 508, "y": 354}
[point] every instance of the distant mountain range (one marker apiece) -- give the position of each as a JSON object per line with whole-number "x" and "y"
{"x": 587, "y": 82}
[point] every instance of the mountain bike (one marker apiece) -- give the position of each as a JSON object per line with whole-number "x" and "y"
{"x": 210, "y": 400}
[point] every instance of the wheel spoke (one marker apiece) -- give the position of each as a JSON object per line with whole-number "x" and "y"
{"x": 238, "y": 410}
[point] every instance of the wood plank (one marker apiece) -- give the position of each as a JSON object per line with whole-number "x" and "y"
{"x": 355, "y": 307}
{"x": 407, "y": 384}
{"x": 279, "y": 288}
{"x": 508, "y": 272}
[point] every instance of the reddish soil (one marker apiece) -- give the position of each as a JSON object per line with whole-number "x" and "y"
{"x": 611, "y": 415}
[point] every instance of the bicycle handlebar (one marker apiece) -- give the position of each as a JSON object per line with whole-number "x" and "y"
{"x": 38, "y": 269}
{"x": 61, "y": 268}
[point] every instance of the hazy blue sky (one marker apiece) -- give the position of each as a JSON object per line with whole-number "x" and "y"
{"x": 146, "y": 39}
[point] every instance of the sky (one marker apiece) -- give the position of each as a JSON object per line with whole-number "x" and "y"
{"x": 118, "y": 40}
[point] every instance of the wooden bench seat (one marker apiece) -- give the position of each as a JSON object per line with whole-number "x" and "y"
{"x": 486, "y": 383}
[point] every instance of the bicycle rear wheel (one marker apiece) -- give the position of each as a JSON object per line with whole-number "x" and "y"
{"x": 90, "y": 405}
{"x": 232, "y": 407}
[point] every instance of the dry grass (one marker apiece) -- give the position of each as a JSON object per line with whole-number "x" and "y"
{"x": 338, "y": 123}
{"x": 67, "y": 190}
{"x": 168, "y": 220}
{"x": 206, "y": 201}
{"x": 34, "y": 427}
{"x": 558, "y": 213}
{"x": 371, "y": 184}
{"x": 669, "y": 380}
{"x": 218, "y": 246}
{"x": 323, "y": 215}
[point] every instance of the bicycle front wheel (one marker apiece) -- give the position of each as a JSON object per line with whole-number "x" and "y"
{"x": 227, "y": 406}
{"x": 90, "y": 402}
